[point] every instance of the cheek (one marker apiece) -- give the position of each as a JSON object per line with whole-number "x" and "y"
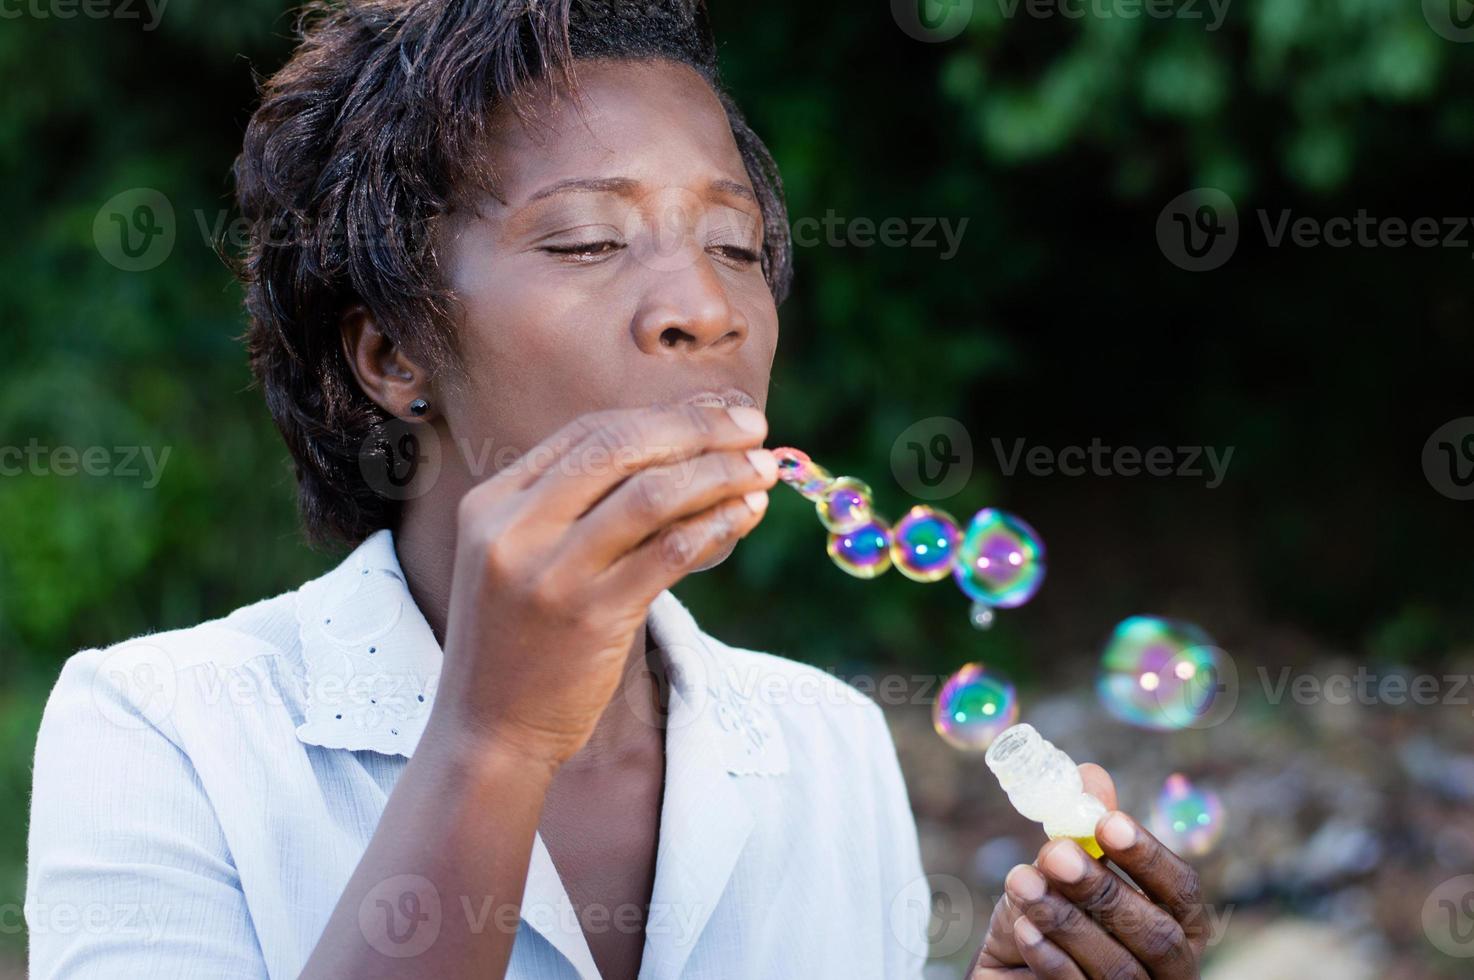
{"x": 538, "y": 352}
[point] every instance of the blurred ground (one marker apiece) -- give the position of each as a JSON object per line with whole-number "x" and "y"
{"x": 1341, "y": 821}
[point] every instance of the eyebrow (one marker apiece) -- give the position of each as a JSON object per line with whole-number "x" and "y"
{"x": 627, "y": 187}
{"x": 601, "y": 185}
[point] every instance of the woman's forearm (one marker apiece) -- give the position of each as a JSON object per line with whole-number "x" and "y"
{"x": 456, "y": 836}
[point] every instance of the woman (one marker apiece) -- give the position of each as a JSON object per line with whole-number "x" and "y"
{"x": 512, "y": 290}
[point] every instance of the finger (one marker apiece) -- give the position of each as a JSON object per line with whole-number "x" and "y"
{"x": 660, "y": 435}
{"x": 999, "y": 949}
{"x": 660, "y": 495}
{"x": 984, "y": 971}
{"x": 673, "y": 552}
{"x": 1152, "y": 936}
{"x": 1166, "y": 878}
{"x": 1066, "y": 926}
{"x": 1098, "y": 783}
{"x": 987, "y": 967}
{"x": 1046, "y": 961}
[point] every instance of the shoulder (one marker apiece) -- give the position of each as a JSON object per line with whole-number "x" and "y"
{"x": 146, "y": 680}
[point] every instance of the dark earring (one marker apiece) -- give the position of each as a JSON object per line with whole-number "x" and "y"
{"x": 419, "y": 407}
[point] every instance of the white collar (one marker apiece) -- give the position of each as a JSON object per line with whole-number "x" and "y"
{"x": 372, "y": 663}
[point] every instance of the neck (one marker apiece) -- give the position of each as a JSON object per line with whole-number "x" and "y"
{"x": 425, "y": 546}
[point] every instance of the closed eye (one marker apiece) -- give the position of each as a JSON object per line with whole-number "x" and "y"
{"x": 585, "y": 250}
{"x": 736, "y": 253}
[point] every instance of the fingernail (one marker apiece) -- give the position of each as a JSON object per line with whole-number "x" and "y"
{"x": 762, "y": 460}
{"x": 757, "y": 500}
{"x": 1065, "y": 862}
{"x": 1118, "y": 831}
{"x": 1025, "y": 884}
{"x": 1026, "y": 933}
{"x": 747, "y": 418}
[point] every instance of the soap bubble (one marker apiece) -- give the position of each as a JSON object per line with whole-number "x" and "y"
{"x": 1163, "y": 674}
{"x": 796, "y": 469}
{"x": 864, "y": 552}
{"x": 924, "y": 544}
{"x": 1187, "y": 819}
{"x": 981, "y": 616}
{"x": 974, "y": 707}
{"x": 1001, "y": 560}
{"x": 845, "y": 505}
{"x": 789, "y": 461}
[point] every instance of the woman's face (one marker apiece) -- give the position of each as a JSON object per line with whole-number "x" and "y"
{"x": 616, "y": 266}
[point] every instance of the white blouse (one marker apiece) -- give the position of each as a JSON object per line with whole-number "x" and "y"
{"x": 201, "y": 798}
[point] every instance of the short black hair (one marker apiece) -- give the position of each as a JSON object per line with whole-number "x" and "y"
{"x": 361, "y": 141}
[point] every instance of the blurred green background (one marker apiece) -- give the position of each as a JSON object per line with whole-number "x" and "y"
{"x": 1059, "y": 320}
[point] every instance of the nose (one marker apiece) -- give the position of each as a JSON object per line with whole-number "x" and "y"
{"x": 688, "y": 310}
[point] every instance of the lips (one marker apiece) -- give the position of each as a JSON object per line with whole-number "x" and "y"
{"x": 721, "y": 399}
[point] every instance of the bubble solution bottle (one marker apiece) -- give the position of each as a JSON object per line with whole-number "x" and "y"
{"x": 1044, "y": 785}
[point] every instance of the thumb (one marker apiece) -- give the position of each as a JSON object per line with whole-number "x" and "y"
{"x": 1098, "y": 783}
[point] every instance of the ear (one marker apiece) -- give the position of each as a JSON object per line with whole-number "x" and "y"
{"x": 385, "y": 372}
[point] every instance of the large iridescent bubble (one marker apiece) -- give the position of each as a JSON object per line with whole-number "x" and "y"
{"x": 1163, "y": 674}
{"x": 973, "y": 707}
{"x": 845, "y": 505}
{"x": 1189, "y": 820}
{"x": 1001, "y": 559}
{"x": 924, "y": 544}
{"x": 864, "y": 552}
